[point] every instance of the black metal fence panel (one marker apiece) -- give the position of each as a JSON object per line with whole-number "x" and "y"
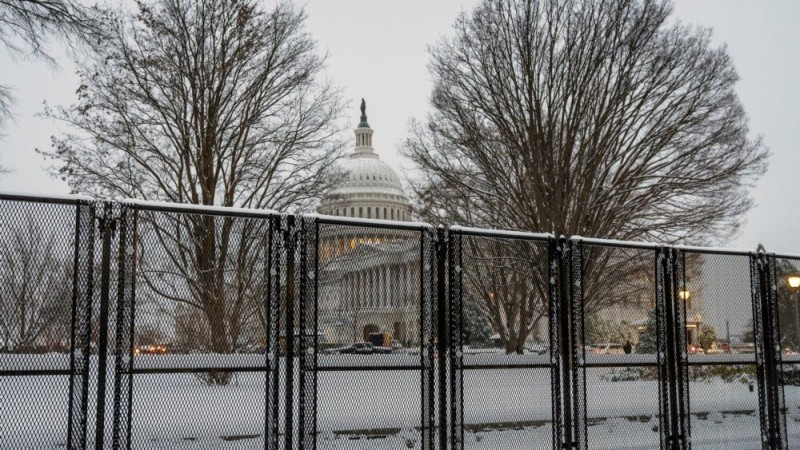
{"x": 374, "y": 342}
{"x": 720, "y": 294}
{"x": 44, "y": 271}
{"x": 203, "y": 342}
{"x": 623, "y": 329}
{"x": 501, "y": 303}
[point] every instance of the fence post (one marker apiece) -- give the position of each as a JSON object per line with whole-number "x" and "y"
{"x": 441, "y": 331}
{"x": 664, "y": 392}
{"x": 289, "y": 236}
{"x": 577, "y": 352}
{"x": 80, "y": 339}
{"x": 554, "y": 252}
{"x": 124, "y": 343}
{"x": 564, "y": 347}
{"x": 107, "y": 226}
{"x": 681, "y": 355}
{"x": 672, "y": 358}
{"x": 779, "y": 403}
{"x": 427, "y": 255}
{"x": 308, "y": 333}
{"x": 272, "y": 398}
{"x": 571, "y": 368}
{"x": 768, "y": 357}
{"x": 456, "y": 315}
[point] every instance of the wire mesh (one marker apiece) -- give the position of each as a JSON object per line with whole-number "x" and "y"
{"x": 37, "y": 269}
{"x": 505, "y": 386}
{"x": 201, "y": 327}
{"x": 622, "y": 338}
{"x": 156, "y": 327}
{"x": 718, "y": 295}
{"x": 375, "y": 341}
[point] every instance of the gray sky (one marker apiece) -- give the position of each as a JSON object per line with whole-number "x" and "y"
{"x": 377, "y": 50}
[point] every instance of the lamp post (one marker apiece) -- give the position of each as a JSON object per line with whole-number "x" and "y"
{"x": 794, "y": 283}
{"x": 684, "y": 295}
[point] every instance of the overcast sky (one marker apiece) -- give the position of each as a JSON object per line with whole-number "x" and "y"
{"x": 377, "y": 50}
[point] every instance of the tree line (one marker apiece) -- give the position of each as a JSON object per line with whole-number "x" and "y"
{"x": 601, "y": 119}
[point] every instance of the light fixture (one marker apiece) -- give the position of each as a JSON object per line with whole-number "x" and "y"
{"x": 683, "y": 294}
{"x": 794, "y": 281}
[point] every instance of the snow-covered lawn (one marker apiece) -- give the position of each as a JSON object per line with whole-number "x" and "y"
{"x": 373, "y": 409}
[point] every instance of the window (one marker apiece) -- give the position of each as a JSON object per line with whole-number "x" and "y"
{"x": 360, "y": 211}
{"x": 392, "y": 211}
{"x": 369, "y": 212}
{"x": 352, "y": 212}
{"x": 384, "y": 214}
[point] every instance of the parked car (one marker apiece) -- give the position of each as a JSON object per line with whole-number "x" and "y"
{"x": 155, "y": 349}
{"x": 608, "y": 349}
{"x": 362, "y": 348}
{"x": 695, "y": 350}
{"x": 537, "y": 348}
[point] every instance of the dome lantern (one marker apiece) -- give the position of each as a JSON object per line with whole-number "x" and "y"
{"x": 364, "y": 134}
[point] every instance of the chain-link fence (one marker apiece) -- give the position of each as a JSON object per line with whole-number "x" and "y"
{"x": 150, "y": 326}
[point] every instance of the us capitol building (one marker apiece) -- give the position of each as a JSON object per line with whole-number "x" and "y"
{"x": 371, "y": 276}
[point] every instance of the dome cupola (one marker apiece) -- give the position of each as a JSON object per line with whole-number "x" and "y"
{"x": 371, "y": 189}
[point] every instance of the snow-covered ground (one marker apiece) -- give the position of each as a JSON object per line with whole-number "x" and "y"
{"x": 374, "y": 409}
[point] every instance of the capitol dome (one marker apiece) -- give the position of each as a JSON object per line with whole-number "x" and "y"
{"x": 371, "y": 189}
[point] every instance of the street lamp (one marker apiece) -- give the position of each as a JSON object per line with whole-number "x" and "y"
{"x": 793, "y": 281}
{"x": 683, "y": 294}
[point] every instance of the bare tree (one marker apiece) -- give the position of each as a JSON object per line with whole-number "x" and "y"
{"x": 36, "y": 289}
{"x": 508, "y": 280}
{"x": 26, "y": 26}
{"x": 586, "y": 118}
{"x": 214, "y": 102}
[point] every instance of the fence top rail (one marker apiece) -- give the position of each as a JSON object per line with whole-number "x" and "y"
{"x": 653, "y": 245}
{"x": 149, "y": 205}
{"x": 615, "y": 243}
{"x": 715, "y": 250}
{"x": 786, "y": 255}
{"x": 488, "y": 232}
{"x": 41, "y": 198}
{"x": 368, "y": 223}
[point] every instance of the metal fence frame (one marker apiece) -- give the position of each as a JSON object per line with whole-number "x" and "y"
{"x": 110, "y": 227}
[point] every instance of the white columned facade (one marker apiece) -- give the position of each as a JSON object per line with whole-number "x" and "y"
{"x": 378, "y": 284}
